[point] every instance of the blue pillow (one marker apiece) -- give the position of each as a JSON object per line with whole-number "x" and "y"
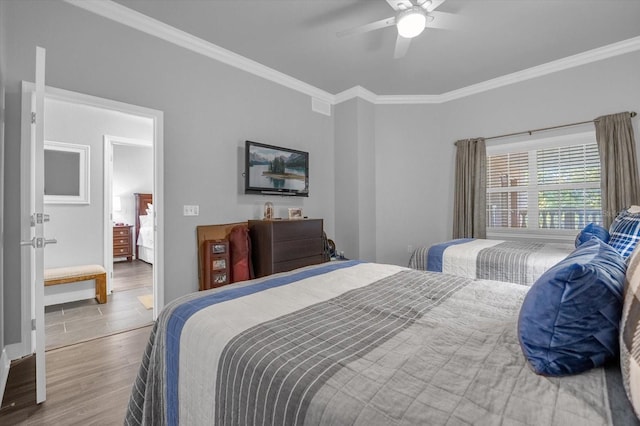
{"x": 592, "y": 230}
{"x": 625, "y": 232}
{"x": 570, "y": 317}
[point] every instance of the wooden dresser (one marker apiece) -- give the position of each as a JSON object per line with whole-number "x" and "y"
{"x": 122, "y": 246}
{"x": 283, "y": 245}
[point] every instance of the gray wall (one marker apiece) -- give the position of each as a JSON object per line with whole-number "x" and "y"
{"x": 210, "y": 109}
{"x": 415, "y": 187}
{"x": 132, "y": 172}
{"x": 366, "y": 181}
{"x": 574, "y": 95}
{"x": 355, "y": 179}
{"x": 413, "y": 164}
{"x": 2, "y": 176}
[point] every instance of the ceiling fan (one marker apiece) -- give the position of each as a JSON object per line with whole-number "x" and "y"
{"x": 412, "y": 17}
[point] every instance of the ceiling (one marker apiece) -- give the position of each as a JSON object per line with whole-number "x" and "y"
{"x": 491, "y": 38}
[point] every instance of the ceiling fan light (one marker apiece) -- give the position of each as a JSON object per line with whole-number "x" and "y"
{"x": 411, "y": 22}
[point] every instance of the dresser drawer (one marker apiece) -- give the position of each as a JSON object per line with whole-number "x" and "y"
{"x": 121, "y": 240}
{"x": 120, "y": 232}
{"x": 295, "y": 249}
{"x": 296, "y": 263}
{"x": 122, "y": 251}
{"x": 296, "y": 230}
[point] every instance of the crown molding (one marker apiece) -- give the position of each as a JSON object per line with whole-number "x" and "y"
{"x": 594, "y": 55}
{"x": 131, "y": 18}
{"x": 136, "y": 20}
{"x": 356, "y": 92}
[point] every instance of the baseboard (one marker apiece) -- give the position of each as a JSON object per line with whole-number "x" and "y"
{"x": 17, "y": 350}
{"x": 5, "y": 363}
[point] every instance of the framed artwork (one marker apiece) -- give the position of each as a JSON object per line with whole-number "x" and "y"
{"x": 218, "y": 264}
{"x": 66, "y": 173}
{"x": 295, "y": 213}
{"x": 219, "y": 248}
{"x": 220, "y": 278}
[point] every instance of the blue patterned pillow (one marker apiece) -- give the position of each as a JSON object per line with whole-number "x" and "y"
{"x": 625, "y": 232}
{"x": 569, "y": 320}
{"x": 590, "y": 231}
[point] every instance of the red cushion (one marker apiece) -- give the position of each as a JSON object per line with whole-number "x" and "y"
{"x": 240, "y": 250}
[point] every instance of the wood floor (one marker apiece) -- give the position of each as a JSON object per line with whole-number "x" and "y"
{"x": 74, "y": 322}
{"x": 130, "y": 275}
{"x": 87, "y": 384}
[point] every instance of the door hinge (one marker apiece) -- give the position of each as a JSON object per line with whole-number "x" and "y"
{"x": 33, "y": 323}
{"x": 33, "y": 118}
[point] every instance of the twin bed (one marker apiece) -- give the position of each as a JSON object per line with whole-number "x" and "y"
{"x": 359, "y": 343}
{"x": 144, "y": 227}
{"x": 520, "y": 262}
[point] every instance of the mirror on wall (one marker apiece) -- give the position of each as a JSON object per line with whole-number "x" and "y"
{"x": 66, "y": 173}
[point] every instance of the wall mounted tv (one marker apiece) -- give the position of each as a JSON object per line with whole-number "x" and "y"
{"x": 275, "y": 170}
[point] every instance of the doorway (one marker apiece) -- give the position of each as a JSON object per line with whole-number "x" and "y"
{"x": 69, "y": 299}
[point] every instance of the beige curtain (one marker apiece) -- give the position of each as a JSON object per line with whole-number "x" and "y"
{"x": 469, "y": 205}
{"x": 619, "y": 169}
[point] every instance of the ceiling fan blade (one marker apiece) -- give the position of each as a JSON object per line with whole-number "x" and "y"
{"x": 402, "y": 45}
{"x": 445, "y": 21}
{"x": 400, "y": 4}
{"x": 433, "y": 5}
{"x": 383, "y": 23}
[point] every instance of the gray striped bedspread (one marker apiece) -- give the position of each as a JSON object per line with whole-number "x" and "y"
{"x": 349, "y": 343}
{"x": 519, "y": 262}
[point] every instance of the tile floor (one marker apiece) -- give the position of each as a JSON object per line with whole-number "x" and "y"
{"x": 74, "y": 322}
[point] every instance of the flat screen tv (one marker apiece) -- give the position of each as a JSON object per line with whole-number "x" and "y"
{"x": 275, "y": 170}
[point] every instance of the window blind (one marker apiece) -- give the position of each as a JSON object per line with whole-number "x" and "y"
{"x": 545, "y": 187}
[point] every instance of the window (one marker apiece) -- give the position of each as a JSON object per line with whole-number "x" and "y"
{"x": 544, "y": 185}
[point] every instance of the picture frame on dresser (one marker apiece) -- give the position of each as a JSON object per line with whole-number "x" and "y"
{"x": 295, "y": 213}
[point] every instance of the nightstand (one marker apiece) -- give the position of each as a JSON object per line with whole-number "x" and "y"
{"x": 122, "y": 246}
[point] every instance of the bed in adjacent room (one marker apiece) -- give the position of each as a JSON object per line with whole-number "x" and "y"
{"x": 347, "y": 343}
{"x": 520, "y": 262}
{"x": 144, "y": 227}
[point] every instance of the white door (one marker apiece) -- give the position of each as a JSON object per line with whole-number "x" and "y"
{"x": 33, "y": 219}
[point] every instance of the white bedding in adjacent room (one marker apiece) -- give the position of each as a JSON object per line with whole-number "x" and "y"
{"x": 145, "y": 239}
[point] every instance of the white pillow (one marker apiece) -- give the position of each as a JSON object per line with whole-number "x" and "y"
{"x": 634, "y": 209}
{"x": 146, "y": 221}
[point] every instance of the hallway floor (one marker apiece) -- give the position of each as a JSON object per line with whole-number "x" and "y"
{"x": 78, "y": 321}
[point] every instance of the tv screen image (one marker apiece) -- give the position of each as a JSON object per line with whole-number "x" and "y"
{"x": 275, "y": 169}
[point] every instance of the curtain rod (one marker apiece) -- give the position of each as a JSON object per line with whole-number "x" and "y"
{"x": 529, "y": 132}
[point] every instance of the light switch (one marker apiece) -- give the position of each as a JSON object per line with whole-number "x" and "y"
{"x": 191, "y": 210}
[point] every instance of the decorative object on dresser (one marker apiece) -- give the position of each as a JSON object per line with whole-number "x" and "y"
{"x": 268, "y": 210}
{"x": 283, "y": 245}
{"x": 216, "y": 264}
{"x": 144, "y": 227}
{"x": 122, "y": 242}
{"x": 295, "y": 213}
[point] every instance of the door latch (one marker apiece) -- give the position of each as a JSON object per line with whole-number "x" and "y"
{"x": 38, "y": 242}
{"x": 37, "y": 218}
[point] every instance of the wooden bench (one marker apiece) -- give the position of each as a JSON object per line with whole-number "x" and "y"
{"x": 72, "y": 274}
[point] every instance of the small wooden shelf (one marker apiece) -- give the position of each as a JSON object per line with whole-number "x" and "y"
{"x": 216, "y": 264}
